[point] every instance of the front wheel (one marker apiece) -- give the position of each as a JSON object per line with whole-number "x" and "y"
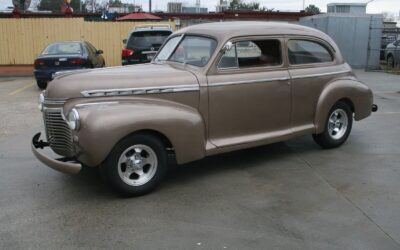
{"x": 337, "y": 126}
{"x": 136, "y": 165}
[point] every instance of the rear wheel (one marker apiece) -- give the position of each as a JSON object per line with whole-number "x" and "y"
{"x": 41, "y": 84}
{"x": 337, "y": 126}
{"x": 136, "y": 165}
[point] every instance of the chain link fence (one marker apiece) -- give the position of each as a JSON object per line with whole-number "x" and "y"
{"x": 389, "y": 52}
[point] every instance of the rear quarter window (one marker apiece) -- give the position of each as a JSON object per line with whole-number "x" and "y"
{"x": 306, "y": 52}
{"x": 63, "y": 48}
{"x": 147, "y": 39}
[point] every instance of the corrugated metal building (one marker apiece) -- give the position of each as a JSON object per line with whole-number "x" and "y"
{"x": 357, "y": 35}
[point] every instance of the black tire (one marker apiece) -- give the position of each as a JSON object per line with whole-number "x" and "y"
{"x": 41, "y": 84}
{"x": 328, "y": 138}
{"x": 113, "y": 172}
{"x": 390, "y": 61}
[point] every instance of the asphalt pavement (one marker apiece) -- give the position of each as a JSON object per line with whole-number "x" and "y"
{"x": 288, "y": 195}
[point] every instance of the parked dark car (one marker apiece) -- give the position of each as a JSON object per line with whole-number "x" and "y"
{"x": 143, "y": 43}
{"x": 65, "y": 56}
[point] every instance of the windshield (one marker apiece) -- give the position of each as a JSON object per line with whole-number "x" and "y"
{"x": 147, "y": 39}
{"x": 63, "y": 48}
{"x": 193, "y": 50}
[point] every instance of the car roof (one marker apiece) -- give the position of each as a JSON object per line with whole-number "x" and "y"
{"x": 69, "y": 41}
{"x": 151, "y": 28}
{"x": 223, "y": 31}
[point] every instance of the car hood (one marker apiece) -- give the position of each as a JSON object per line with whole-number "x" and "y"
{"x": 72, "y": 84}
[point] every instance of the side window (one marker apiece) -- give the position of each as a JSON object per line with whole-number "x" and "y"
{"x": 256, "y": 53}
{"x": 229, "y": 59}
{"x": 304, "y": 52}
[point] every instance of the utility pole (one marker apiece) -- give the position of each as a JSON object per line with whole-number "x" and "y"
{"x": 197, "y": 6}
{"x": 149, "y": 6}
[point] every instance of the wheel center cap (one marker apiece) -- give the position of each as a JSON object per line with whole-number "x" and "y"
{"x": 136, "y": 162}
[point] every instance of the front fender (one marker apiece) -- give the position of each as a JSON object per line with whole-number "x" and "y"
{"x": 353, "y": 91}
{"x": 103, "y": 127}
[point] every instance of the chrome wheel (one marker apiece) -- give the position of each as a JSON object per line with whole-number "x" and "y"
{"x": 137, "y": 165}
{"x": 337, "y": 124}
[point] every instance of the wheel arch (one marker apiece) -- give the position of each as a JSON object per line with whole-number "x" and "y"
{"x": 354, "y": 93}
{"x": 163, "y": 138}
{"x": 177, "y": 126}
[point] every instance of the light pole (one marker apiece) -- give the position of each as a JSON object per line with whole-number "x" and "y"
{"x": 149, "y": 6}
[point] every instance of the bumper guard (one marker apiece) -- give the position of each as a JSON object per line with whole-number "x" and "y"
{"x": 63, "y": 164}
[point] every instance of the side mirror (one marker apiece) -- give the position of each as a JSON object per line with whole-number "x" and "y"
{"x": 124, "y": 41}
{"x": 99, "y": 52}
{"x": 227, "y": 47}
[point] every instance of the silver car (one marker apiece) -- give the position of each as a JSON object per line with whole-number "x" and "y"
{"x": 392, "y": 54}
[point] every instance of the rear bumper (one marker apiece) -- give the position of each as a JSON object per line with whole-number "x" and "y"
{"x": 374, "y": 108}
{"x": 60, "y": 165}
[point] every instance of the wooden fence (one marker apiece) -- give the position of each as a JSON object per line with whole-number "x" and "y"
{"x": 22, "y": 40}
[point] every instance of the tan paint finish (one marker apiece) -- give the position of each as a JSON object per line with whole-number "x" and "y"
{"x": 72, "y": 84}
{"x": 227, "y": 110}
{"x": 103, "y": 128}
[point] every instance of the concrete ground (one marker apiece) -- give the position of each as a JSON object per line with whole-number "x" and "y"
{"x": 290, "y": 195}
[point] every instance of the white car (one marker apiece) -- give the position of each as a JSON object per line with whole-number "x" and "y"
{"x": 392, "y": 54}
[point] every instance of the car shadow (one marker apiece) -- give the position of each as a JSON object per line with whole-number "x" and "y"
{"x": 245, "y": 159}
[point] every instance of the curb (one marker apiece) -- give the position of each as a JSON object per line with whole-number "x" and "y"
{"x": 16, "y": 74}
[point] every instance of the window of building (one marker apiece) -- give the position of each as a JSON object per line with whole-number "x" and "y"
{"x": 342, "y": 8}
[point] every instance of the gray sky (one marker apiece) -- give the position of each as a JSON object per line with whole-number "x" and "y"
{"x": 377, "y": 6}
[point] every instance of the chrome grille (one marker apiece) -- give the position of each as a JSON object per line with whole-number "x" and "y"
{"x": 58, "y": 133}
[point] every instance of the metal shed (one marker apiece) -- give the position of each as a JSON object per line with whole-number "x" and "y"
{"x": 358, "y": 36}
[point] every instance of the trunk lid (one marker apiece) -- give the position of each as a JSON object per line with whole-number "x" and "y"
{"x": 59, "y": 61}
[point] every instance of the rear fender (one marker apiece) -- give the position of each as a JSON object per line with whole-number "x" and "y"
{"x": 357, "y": 94}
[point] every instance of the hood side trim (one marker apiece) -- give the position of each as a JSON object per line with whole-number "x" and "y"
{"x": 140, "y": 91}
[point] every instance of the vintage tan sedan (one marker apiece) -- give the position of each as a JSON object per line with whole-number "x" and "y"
{"x": 212, "y": 88}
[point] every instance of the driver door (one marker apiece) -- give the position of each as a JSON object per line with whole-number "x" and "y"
{"x": 249, "y": 93}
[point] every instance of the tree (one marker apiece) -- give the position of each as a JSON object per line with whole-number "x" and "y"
{"x": 312, "y": 9}
{"x": 55, "y": 5}
{"x": 240, "y": 5}
{"x": 50, "y": 5}
{"x": 388, "y": 17}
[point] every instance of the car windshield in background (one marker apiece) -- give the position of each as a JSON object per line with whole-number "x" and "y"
{"x": 193, "y": 50}
{"x": 147, "y": 39}
{"x": 63, "y": 48}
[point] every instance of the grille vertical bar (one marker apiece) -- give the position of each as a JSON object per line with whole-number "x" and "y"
{"x": 58, "y": 133}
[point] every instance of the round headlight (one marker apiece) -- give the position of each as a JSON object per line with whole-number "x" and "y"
{"x": 73, "y": 119}
{"x": 41, "y": 102}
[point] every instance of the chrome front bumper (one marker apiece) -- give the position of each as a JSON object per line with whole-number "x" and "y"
{"x": 63, "y": 165}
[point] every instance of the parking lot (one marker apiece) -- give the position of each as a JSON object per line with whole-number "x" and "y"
{"x": 290, "y": 195}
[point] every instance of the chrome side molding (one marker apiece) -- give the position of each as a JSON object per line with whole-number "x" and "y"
{"x": 248, "y": 81}
{"x": 140, "y": 91}
{"x": 321, "y": 74}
